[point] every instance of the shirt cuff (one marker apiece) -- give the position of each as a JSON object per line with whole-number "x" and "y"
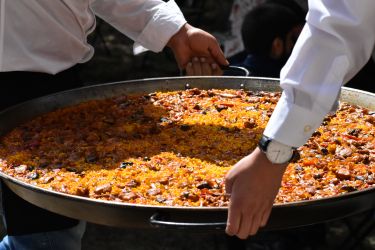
{"x": 163, "y": 25}
{"x": 291, "y": 124}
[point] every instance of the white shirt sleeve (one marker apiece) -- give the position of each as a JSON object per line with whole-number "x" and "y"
{"x": 334, "y": 45}
{"x": 150, "y": 23}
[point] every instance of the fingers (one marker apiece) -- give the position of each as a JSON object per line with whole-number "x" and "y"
{"x": 234, "y": 220}
{"x": 191, "y": 42}
{"x": 251, "y": 201}
{"x": 194, "y": 68}
{"x": 245, "y": 217}
{"x": 189, "y": 69}
{"x": 265, "y": 216}
{"x": 217, "y": 53}
{"x": 206, "y": 67}
{"x": 216, "y": 70}
{"x": 245, "y": 226}
{"x": 255, "y": 224}
{"x": 244, "y": 223}
{"x": 202, "y": 66}
{"x": 197, "y": 66}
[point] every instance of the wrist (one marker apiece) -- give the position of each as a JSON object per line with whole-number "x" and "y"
{"x": 179, "y": 37}
{"x": 276, "y": 152}
{"x": 266, "y": 164}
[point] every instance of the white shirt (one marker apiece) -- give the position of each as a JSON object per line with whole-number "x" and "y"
{"x": 335, "y": 44}
{"x": 51, "y": 35}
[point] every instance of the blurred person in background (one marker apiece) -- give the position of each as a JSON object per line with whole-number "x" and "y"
{"x": 234, "y": 48}
{"x": 269, "y": 32}
{"x": 42, "y": 44}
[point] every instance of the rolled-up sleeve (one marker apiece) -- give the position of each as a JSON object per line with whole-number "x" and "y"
{"x": 150, "y": 23}
{"x": 334, "y": 45}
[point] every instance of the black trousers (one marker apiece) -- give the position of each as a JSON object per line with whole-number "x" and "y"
{"x": 20, "y": 216}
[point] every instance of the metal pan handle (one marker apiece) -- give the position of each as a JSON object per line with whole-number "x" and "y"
{"x": 229, "y": 70}
{"x": 160, "y": 221}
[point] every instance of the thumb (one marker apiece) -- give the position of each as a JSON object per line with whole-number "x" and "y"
{"x": 217, "y": 54}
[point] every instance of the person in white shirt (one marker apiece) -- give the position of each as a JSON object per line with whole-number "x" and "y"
{"x": 51, "y": 36}
{"x": 40, "y": 41}
{"x": 336, "y": 42}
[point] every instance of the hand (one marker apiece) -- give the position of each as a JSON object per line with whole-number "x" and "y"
{"x": 253, "y": 184}
{"x": 190, "y": 42}
{"x": 201, "y": 66}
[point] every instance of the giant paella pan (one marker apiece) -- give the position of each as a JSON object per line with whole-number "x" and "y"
{"x": 170, "y": 128}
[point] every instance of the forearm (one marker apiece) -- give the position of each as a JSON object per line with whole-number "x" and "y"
{"x": 327, "y": 54}
{"x": 150, "y": 24}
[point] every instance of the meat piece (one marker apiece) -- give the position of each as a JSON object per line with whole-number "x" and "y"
{"x": 343, "y": 174}
{"x": 343, "y": 151}
{"x": 127, "y": 196}
{"x": 106, "y": 188}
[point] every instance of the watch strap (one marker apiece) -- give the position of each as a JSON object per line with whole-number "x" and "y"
{"x": 263, "y": 143}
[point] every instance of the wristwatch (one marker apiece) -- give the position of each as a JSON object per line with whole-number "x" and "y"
{"x": 276, "y": 152}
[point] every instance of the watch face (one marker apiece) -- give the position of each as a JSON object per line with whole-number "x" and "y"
{"x": 279, "y": 153}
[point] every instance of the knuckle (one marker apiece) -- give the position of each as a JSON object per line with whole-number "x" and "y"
{"x": 229, "y": 230}
{"x": 243, "y": 235}
{"x": 237, "y": 204}
{"x": 254, "y": 230}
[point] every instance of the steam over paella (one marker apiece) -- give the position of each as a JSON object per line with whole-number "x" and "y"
{"x": 174, "y": 148}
